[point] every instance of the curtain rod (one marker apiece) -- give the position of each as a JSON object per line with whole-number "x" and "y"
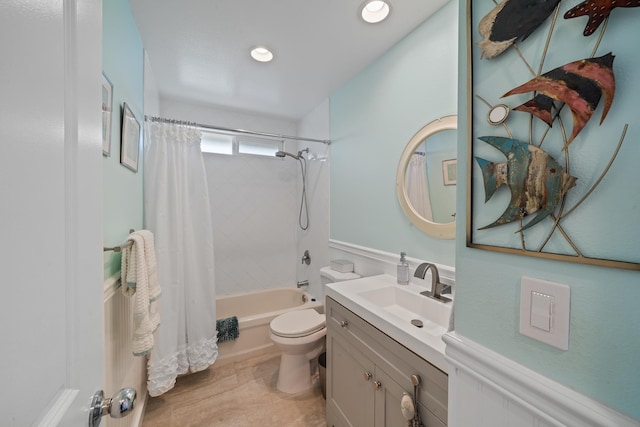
{"x": 244, "y": 131}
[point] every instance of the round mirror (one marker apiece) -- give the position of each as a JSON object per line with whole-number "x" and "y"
{"x": 426, "y": 178}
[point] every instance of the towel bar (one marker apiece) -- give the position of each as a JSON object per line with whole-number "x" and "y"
{"x": 126, "y": 244}
{"x": 118, "y": 248}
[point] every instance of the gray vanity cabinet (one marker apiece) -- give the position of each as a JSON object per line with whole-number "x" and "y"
{"x": 368, "y": 373}
{"x": 349, "y": 392}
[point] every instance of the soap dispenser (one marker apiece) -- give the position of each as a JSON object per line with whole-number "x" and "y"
{"x": 403, "y": 270}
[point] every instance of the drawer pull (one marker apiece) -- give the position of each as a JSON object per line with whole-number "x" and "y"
{"x": 344, "y": 323}
{"x": 376, "y": 385}
{"x": 367, "y": 376}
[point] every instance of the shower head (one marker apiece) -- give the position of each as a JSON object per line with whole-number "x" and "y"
{"x": 284, "y": 153}
{"x": 295, "y": 156}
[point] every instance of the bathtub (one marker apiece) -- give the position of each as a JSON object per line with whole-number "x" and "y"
{"x": 255, "y": 311}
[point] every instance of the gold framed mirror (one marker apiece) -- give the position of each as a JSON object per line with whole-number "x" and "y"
{"x": 413, "y": 194}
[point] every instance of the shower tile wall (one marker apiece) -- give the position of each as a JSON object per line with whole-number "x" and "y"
{"x": 254, "y": 206}
{"x": 316, "y": 238}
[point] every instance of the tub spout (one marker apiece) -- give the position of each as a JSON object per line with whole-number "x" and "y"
{"x": 436, "y": 287}
{"x": 303, "y": 283}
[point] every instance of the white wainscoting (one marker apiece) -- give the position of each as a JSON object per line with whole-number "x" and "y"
{"x": 121, "y": 367}
{"x": 488, "y": 389}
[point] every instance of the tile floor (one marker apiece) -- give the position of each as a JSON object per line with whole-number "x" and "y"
{"x": 238, "y": 394}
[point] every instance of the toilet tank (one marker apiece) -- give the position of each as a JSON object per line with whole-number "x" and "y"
{"x": 327, "y": 275}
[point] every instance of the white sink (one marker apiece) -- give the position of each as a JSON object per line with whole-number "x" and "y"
{"x": 407, "y": 306}
{"x": 391, "y": 307}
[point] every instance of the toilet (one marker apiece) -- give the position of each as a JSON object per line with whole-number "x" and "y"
{"x": 300, "y": 335}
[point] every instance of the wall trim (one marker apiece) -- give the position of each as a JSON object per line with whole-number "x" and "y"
{"x": 390, "y": 260}
{"x": 110, "y": 285}
{"x": 547, "y": 401}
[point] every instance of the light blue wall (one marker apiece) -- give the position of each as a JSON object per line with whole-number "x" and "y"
{"x": 604, "y": 344}
{"x": 373, "y": 117}
{"x": 122, "y": 62}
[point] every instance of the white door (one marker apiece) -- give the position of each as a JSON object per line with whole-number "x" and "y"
{"x": 50, "y": 211}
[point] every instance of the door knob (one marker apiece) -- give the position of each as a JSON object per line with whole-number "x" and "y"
{"x": 118, "y": 406}
{"x": 344, "y": 323}
{"x": 367, "y": 376}
{"x": 376, "y": 385}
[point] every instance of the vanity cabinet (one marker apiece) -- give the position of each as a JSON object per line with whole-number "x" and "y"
{"x": 368, "y": 372}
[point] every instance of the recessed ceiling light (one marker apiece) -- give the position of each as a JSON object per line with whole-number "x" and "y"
{"x": 261, "y": 54}
{"x": 374, "y": 11}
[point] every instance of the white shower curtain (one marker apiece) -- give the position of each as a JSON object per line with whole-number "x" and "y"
{"x": 176, "y": 206}
{"x": 417, "y": 186}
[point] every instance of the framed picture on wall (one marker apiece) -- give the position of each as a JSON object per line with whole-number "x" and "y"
{"x": 449, "y": 171}
{"x": 550, "y": 126}
{"x": 129, "y": 146}
{"x": 107, "y": 108}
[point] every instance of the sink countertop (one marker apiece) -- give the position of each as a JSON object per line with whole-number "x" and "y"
{"x": 427, "y": 344}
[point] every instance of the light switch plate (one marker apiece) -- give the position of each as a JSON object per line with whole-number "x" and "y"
{"x": 545, "y": 311}
{"x": 541, "y": 305}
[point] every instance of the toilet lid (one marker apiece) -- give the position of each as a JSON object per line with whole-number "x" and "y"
{"x": 298, "y": 323}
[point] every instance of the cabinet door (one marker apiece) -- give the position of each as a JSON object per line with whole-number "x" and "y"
{"x": 387, "y": 404}
{"x": 349, "y": 390}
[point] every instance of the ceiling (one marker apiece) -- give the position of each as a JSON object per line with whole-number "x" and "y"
{"x": 199, "y": 49}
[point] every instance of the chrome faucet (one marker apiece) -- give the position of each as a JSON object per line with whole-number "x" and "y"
{"x": 437, "y": 288}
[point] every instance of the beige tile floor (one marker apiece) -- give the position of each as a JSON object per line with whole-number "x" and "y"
{"x": 238, "y": 394}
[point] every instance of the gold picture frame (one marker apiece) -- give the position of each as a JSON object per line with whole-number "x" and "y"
{"x": 567, "y": 231}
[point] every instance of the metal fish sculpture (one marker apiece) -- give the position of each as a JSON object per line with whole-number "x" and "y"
{"x": 510, "y": 20}
{"x": 536, "y": 180}
{"x": 598, "y": 11}
{"x": 579, "y": 84}
{"x": 540, "y": 106}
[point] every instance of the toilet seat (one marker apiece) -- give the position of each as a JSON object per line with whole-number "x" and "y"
{"x": 298, "y": 323}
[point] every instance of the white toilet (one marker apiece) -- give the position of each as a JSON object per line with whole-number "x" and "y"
{"x": 300, "y": 336}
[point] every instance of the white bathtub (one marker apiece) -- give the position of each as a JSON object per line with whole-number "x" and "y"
{"x": 255, "y": 310}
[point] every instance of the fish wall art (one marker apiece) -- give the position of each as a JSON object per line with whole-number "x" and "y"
{"x": 597, "y": 11}
{"x": 511, "y": 20}
{"x": 579, "y": 84}
{"x": 556, "y": 156}
{"x": 536, "y": 180}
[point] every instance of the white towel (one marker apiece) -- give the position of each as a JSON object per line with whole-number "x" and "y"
{"x": 139, "y": 278}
